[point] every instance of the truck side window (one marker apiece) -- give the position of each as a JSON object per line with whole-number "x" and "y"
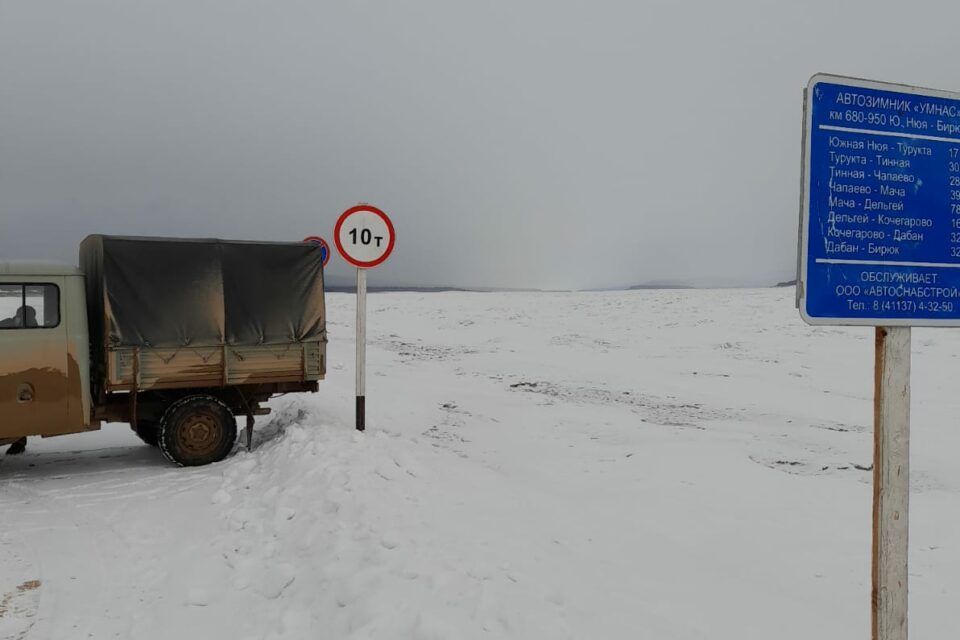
{"x": 29, "y": 306}
{"x": 44, "y": 300}
{"x": 11, "y": 299}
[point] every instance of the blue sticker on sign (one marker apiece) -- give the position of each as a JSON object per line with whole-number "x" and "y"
{"x": 881, "y": 214}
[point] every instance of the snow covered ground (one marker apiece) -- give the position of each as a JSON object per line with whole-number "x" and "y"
{"x": 657, "y": 464}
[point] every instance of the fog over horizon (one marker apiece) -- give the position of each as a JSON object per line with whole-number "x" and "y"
{"x": 526, "y": 145}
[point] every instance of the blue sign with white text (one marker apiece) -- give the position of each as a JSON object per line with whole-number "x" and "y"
{"x": 881, "y": 214}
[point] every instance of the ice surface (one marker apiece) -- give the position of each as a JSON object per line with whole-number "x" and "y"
{"x": 650, "y": 464}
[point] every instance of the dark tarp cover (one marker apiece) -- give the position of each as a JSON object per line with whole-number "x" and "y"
{"x": 171, "y": 292}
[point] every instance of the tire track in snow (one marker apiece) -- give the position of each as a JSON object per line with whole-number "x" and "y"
{"x": 669, "y": 412}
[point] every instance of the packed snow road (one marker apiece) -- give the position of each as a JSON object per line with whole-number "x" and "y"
{"x": 663, "y": 465}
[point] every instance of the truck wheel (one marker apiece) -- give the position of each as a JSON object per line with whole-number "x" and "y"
{"x": 197, "y": 430}
{"x": 148, "y": 431}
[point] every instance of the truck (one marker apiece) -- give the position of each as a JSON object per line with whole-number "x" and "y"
{"x": 177, "y": 337}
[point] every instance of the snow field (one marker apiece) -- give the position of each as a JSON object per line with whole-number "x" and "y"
{"x": 664, "y": 465}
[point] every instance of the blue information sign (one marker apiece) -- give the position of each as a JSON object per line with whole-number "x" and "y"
{"x": 880, "y": 227}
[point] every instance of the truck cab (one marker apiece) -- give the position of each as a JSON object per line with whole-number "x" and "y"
{"x": 44, "y": 352}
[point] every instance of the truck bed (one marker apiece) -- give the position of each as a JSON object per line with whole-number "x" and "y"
{"x": 175, "y": 313}
{"x": 143, "y": 369}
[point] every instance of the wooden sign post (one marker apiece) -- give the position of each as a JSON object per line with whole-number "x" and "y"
{"x": 891, "y": 483}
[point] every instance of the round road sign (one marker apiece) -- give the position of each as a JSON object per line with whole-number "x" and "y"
{"x": 324, "y": 248}
{"x": 364, "y": 236}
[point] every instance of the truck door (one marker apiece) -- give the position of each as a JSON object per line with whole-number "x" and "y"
{"x": 33, "y": 359}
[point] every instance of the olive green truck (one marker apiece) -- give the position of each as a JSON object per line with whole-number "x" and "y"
{"x": 176, "y": 337}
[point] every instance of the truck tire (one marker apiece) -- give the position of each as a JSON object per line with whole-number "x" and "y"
{"x": 148, "y": 431}
{"x": 197, "y": 430}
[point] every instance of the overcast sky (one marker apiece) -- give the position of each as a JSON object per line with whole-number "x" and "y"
{"x": 537, "y": 143}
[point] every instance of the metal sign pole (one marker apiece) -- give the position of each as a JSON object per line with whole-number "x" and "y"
{"x": 361, "y": 348}
{"x": 891, "y": 483}
{"x": 365, "y": 238}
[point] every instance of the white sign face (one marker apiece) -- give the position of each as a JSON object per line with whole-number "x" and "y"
{"x": 364, "y": 236}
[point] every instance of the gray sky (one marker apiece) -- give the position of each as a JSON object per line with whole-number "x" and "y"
{"x": 527, "y": 143}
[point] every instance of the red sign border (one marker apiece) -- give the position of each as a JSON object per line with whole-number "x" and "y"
{"x": 386, "y": 219}
{"x": 323, "y": 243}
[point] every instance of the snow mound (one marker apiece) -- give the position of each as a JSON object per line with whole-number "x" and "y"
{"x": 350, "y": 535}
